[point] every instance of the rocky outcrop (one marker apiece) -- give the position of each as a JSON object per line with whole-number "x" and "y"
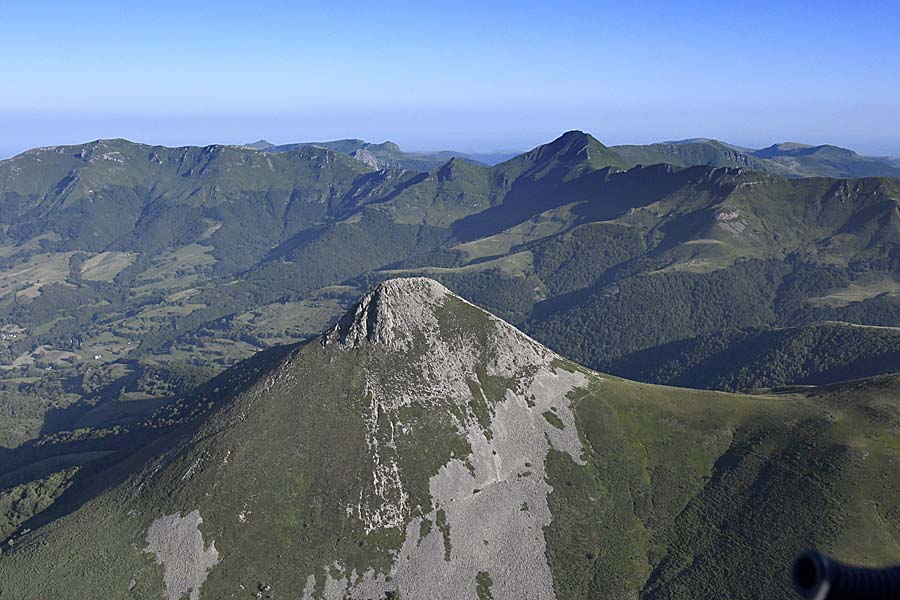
{"x": 366, "y": 157}
{"x": 178, "y": 545}
{"x": 390, "y": 313}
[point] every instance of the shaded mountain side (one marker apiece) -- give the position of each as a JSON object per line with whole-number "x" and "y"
{"x": 114, "y": 425}
{"x": 768, "y": 358}
{"x": 472, "y": 458}
{"x": 620, "y": 317}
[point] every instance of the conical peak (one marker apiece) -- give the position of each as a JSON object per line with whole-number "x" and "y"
{"x": 389, "y": 313}
{"x": 571, "y": 141}
{"x": 574, "y": 136}
{"x": 572, "y": 149}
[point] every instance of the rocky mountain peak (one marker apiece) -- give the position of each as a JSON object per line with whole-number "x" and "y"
{"x": 403, "y": 311}
{"x": 572, "y": 142}
{"x": 390, "y": 313}
{"x": 260, "y": 144}
{"x": 574, "y": 136}
{"x": 574, "y": 149}
{"x": 431, "y": 359}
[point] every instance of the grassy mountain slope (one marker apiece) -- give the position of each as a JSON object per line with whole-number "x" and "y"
{"x": 208, "y": 233}
{"x": 743, "y": 265}
{"x": 114, "y": 195}
{"x": 787, "y": 159}
{"x": 473, "y": 455}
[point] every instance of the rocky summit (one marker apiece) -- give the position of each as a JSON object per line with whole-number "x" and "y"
{"x": 490, "y": 386}
{"x": 424, "y": 448}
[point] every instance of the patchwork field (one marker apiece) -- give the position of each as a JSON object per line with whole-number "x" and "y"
{"x": 176, "y": 268}
{"x": 26, "y": 279}
{"x": 291, "y": 321}
{"x": 539, "y": 227}
{"x": 106, "y": 265}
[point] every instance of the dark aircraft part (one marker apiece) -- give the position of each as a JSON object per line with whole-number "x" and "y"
{"x": 819, "y": 577}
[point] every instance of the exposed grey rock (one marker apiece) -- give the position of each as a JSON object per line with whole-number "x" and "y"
{"x": 364, "y": 156}
{"x": 178, "y": 545}
{"x": 480, "y": 495}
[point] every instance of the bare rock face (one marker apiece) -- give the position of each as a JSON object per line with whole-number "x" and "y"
{"x": 390, "y": 314}
{"x": 364, "y": 156}
{"x": 431, "y": 349}
{"x": 730, "y": 221}
{"x": 178, "y": 545}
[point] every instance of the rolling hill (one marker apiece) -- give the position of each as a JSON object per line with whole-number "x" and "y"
{"x": 689, "y": 153}
{"x": 472, "y": 462}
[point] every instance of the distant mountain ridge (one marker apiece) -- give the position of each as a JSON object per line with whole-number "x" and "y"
{"x": 788, "y": 159}
{"x": 133, "y": 252}
{"x": 388, "y": 154}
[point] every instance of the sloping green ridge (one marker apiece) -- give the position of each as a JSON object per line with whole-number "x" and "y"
{"x": 711, "y": 495}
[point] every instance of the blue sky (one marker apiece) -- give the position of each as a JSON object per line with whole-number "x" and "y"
{"x": 486, "y": 75}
